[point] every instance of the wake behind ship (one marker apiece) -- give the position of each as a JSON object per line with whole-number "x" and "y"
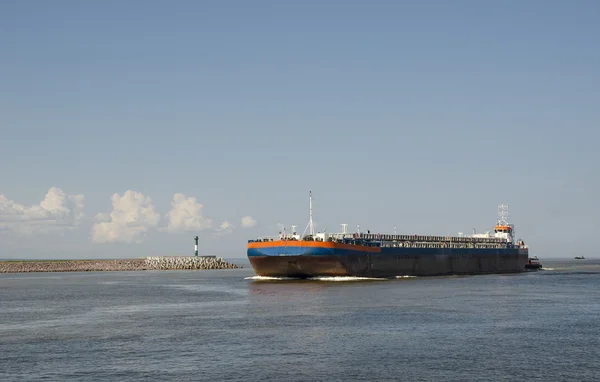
{"x": 387, "y": 255}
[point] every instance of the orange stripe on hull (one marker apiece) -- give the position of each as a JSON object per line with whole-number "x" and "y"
{"x": 312, "y": 244}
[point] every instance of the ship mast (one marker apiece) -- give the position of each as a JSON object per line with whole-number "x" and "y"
{"x": 310, "y": 222}
{"x": 503, "y": 214}
{"x": 311, "y": 225}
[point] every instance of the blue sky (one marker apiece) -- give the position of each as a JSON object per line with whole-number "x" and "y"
{"x": 423, "y": 115}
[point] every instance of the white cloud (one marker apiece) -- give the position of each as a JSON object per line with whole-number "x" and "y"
{"x": 186, "y": 215}
{"x": 248, "y": 222}
{"x": 132, "y": 215}
{"x": 224, "y": 229}
{"x": 226, "y": 226}
{"x": 58, "y": 211}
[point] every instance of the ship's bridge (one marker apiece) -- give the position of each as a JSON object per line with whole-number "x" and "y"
{"x": 503, "y": 229}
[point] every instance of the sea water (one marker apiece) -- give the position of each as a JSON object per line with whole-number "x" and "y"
{"x": 228, "y": 325}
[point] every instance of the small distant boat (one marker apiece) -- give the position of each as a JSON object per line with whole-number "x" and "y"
{"x": 533, "y": 263}
{"x": 579, "y": 257}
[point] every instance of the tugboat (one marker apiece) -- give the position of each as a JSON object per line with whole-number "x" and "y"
{"x": 533, "y": 263}
{"x": 579, "y": 258}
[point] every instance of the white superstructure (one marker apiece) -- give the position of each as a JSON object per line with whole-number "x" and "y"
{"x": 503, "y": 229}
{"x": 503, "y": 234}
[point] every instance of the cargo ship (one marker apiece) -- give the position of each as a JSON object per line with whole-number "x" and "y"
{"x": 385, "y": 255}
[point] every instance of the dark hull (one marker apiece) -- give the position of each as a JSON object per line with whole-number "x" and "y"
{"x": 406, "y": 262}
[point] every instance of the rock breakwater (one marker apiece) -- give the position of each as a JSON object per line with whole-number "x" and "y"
{"x": 71, "y": 265}
{"x": 149, "y": 263}
{"x": 188, "y": 262}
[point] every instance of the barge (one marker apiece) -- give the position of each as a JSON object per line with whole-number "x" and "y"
{"x": 385, "y": 255}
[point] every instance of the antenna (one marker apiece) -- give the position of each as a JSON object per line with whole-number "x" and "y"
{"x": 503, "y": 214}
{"x": 344, "y": 230}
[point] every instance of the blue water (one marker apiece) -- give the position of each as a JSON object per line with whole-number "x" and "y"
{"x": 225, "y": 325}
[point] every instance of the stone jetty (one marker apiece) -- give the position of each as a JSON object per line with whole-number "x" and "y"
{"x": 188, "y": 262}
{"x": 149, "y": 263}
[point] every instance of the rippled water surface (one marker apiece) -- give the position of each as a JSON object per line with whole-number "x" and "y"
{"x": 228, "y": 325}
